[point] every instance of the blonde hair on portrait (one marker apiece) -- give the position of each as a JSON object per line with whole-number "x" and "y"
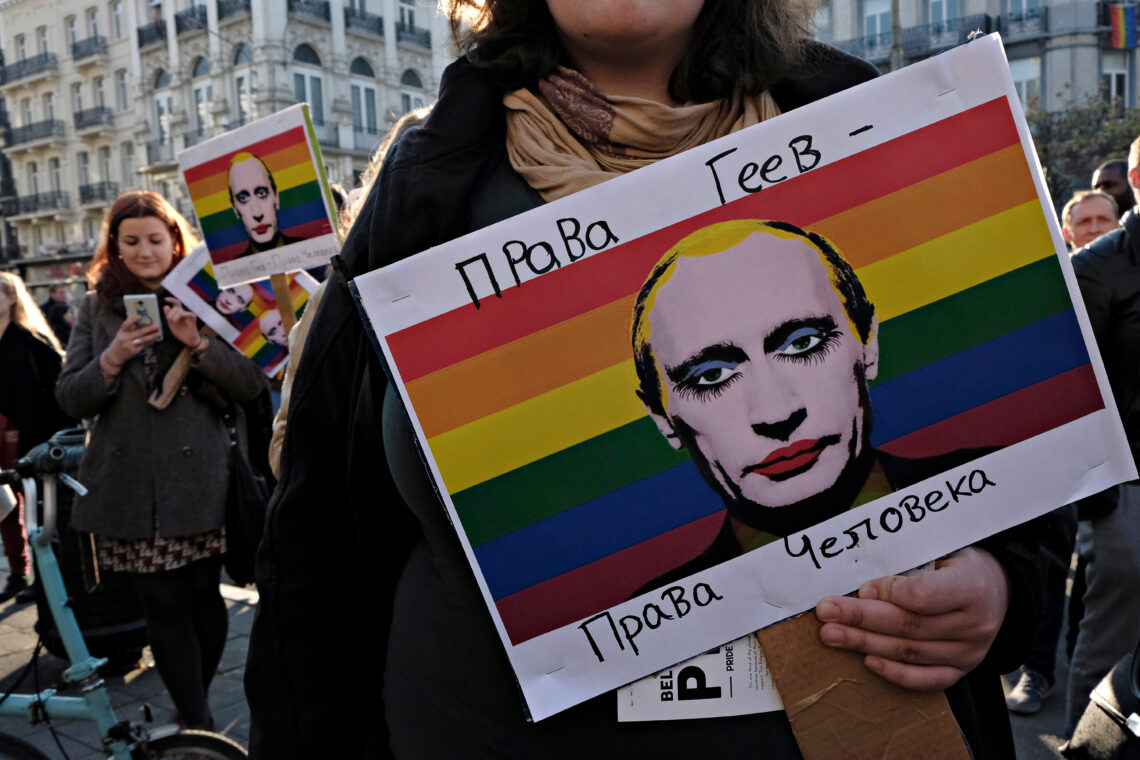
{"x": 26, "y": 313}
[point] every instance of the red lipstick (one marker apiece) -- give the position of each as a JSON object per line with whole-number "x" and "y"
{"x": 261, "y": 229}
{"x": 797, "y": 456}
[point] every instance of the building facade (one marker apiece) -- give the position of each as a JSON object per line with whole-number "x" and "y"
{"x": 1059, "y": 51}
{"x": 97, "y": 96}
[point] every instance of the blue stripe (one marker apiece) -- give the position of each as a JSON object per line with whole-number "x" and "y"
{"x": 596, "y": 529}
{"x": 286, "y": 218}
{"x": 976, "y": 376}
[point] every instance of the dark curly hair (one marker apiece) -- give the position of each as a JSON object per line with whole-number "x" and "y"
{"x": 738, "y": 45}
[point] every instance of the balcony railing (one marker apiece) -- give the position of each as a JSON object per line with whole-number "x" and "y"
{"x": 413, "y": 34}
{"x": 7, "y": 187}
{"x": 28, "y": 67}
{"x": 9, "y": 251}
{"x": 364, "y": 21}
{"x": 98, "y": 191}
{"x": 872, "y": 47}
{"x": 151, "y": 33}
{"x": 158, "y": 151}
{"x": 365, "y": 139}
{"x": 190, "y": 19}
{"x": 930, "y": 38}
{"x": 195, "y": 136}
{"x": 30, "y": 204}
{"x": 313, "y": 8}
{"x": 232, "y": 7}
{"x": 1028, "y": 24}
{"x": 93, "y": 117}
{"x": 94, "y": 45}
{"x": 327, "y": 134}
{"x": 37, "y": 131}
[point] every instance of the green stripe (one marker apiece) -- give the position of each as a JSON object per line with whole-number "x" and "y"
{"x": 294, "y": 196}
{"x": 636, "y": 451}
{"x": 563, "y": 480}
{"x": 971, "y": 317}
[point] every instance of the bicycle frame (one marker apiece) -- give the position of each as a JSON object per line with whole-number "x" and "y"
{"x": 95, "y": 704}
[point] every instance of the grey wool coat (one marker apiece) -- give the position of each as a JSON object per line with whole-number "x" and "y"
{"x": 149, "y": 472}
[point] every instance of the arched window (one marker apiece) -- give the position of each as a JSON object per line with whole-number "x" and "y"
{"x": 243, "y": 54}
{"x": 411, "y": 79}
{"x": 243, "y": 83}
{"x": 361, "y": 68}
{"x": 203, "y": 93}
{"x": 161, "y": 79}
{"x": 201, "y": 68}
{"x": 308, "y": 83}
{"x": 306, "y": 54}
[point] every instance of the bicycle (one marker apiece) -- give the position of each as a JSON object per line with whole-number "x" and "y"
{"x": 122, "y": 740}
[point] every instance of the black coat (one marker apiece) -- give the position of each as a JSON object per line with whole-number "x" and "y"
{"x": 338, "y": 534}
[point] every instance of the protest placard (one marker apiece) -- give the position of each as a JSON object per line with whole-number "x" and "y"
{"x": 262, "y": 198}
{"x": 246, "y": 315}
{"x": 687, "y": 403}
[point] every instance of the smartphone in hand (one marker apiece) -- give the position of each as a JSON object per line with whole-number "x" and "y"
{"x": 146, "y": 307}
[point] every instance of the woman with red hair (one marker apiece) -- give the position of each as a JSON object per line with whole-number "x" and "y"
{"x": 157, "y": 459}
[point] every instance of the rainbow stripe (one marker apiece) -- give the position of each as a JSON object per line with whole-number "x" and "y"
{"x": 1122, "y": 20}
{"x": 302, "y": 212}
{"x": 570, "y": 497}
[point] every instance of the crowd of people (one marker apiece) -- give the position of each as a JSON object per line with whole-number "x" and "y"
{"x": 548, "y": 98}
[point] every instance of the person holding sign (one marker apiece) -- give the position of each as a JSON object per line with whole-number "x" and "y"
{"x": 551, "y": 98}
{"x": 155, "y": 464}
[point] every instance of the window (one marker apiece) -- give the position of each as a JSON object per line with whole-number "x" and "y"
{"x": 877, "y": 21}
{"x": 41, "y": 40}
{"x": 33, "y": 173}
{"x": 363, "y": 88}
{"x": 411, "y": 100}
{"x": 83, "y": 167}
{"x": 127, "y": 162}
{"x": 122, "y": 97}
{"x": 161, "y": 79}
{"x": 1023, "y": 9}
{"x": 26, "y": 111}
{"x": 100, "y": 88}
{"x": 408, "y": 13}
{"x": 92, "y": 22}
{"x": 203, "y": 93}
{"x": 1027, "y": 79}
{"x": 1114, "y": 76}
{"x": 308, "y": 83}
{"x": 163, "y": 105}
{"x": 243, "y": 54}
{"x": 72, "y": 27}
{"x": 105, "y": 163}
{"x": 21, "y": 47}
{"x": 117, "y": 19}
{"x": 943, "y": 11}
{"x": 49, "y": 105}
{"x": 821, "y": 21}
{"x": 77, "y": 99}
{"x": 89, "y": 229}
{"x": 55, "y": 178}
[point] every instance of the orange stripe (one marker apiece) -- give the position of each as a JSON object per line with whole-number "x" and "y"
{"x": 282, "y": 159}
{"x": 930, "y": 209}
{"x": 523, "y": 368}
{"x": 598, "y": 339}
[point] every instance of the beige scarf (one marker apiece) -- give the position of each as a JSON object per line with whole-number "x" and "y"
{"x": 570, "y": 136}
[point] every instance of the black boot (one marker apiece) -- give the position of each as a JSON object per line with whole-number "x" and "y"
{"x": 15, "y": 585}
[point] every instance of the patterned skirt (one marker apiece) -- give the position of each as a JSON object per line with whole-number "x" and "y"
{"x": 154, "y": 555}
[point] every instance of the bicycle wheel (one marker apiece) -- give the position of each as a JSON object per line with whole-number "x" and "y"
{"x": 193, "y": 745}
{"x": 12, "y": 748}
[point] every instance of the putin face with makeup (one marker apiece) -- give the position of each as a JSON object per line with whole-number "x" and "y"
{"x": 754, "y": 343}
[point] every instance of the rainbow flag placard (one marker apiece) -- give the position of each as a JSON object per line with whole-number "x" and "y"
{"x": 243, "y": 315}
{"x": 262, "y": 198}
{"x": 1123, "y": 24}
{"x": 581, "y": 514}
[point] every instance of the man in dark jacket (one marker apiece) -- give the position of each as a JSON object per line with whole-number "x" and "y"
{"x": 1108, "y": 272}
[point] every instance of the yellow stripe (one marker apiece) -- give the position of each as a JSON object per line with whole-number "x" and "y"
{"x": 566, "y": 416}
{"x": 956, "y": 261}
{"x": 298, "y": 174}
{"x": 523, "y": 433}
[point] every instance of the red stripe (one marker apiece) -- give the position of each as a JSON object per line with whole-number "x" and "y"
{"x": 611, "y": 580}
{"x": 228, "y": 253}
{"x": 312, "y": 229}
{"x": 466, "y": 331}
{"x": 1009, "y": 419}
{"x": 262, "y": 149}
